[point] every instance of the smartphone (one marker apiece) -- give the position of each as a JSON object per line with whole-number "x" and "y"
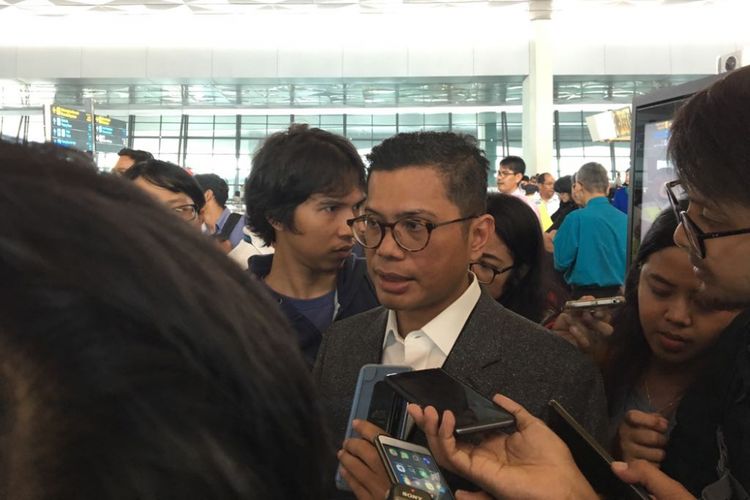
{"x": 595, "y": 303}
{"x": 435, "y": 387}
{"x": 376, "y": 402}
{"x": 412, "y": 465}
{"x": 591, "y": 458}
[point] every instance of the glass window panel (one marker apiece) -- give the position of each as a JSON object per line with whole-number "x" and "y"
{"x": 224, "y": 146}
{"x": 199, "y": 146}
{"x": 410, "y": 120}
{"x": 225, "y": 119}
{"x": 147, "y": 144}
{"x": 569, "y": 149}
{"x": 277, "y": 121}
{"x": 334, "y": 129}
{"x": 146, "y": 128}
{"x": 596, "y": 149}
{"x": 170, "y": 128}
{"x": 381, "y": 133}
{"x": 200, "y": 129}
{"x": 358, "y": 120}
{"x": 225, "y": 129}
{"x": 464, "y": 119}
{"x": 168, "y": 146}
{"x": 384, "y": 120}
{"x": 437, "y": 119}
{"x": 327, "y": 120}
{"x": 359, "y": 132}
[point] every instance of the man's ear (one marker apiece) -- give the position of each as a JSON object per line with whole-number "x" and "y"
{"x": 479, "y": 234}
{"x": 208, "y": 194}
{"x": 276, "y": 225}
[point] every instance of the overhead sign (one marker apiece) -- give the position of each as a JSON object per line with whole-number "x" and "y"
{"x": 72, "y": 128}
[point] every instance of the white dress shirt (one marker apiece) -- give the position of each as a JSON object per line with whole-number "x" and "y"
{"x": 520, "y": 193}
{"x": 429, "y": 346}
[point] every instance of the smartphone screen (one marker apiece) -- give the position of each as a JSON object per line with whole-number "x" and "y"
{"x": 414, "y": 468}
{"x": 473, "y": 412}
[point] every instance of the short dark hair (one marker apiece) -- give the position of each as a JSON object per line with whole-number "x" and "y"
{"x": 514, "y": 163}
{"x": 149, "y": 369}
{"x": 216, "y": 184}
{"x": 564, "y": 184}
{"x": 293, "y": 165}
{"x": 168, "y": 176}
{"x": 709, "y": 143}
{"x": 136, "y": 154}
{"x": 456, "y": 157}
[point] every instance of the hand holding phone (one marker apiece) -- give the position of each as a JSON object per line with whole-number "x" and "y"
{"x": 585, "y": 327}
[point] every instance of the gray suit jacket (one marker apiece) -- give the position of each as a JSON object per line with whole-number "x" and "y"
{"x": 496, "y": 351}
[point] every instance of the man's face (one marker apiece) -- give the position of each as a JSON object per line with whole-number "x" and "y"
{"x": 123, "y": 163}
{"x": 321, "y": 240}
{"x": 178, "y": 203}
{"x": 421, "y": 284}
{"x": 507, "y": 180}
{"x": 547, "y": 188}
{"x": 725, "y": 271}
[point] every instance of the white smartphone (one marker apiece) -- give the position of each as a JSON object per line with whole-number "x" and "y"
{"x": 604, "y": 302}
{"x": 412, "y": 465}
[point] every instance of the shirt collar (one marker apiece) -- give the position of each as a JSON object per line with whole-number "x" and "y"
{"x": 443, "y": 329}
{"x": 222, "y": 219}
{"x": 599, "y": 200}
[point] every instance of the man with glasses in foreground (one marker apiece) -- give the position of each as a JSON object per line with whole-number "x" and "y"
{"x": 171, "y": 185}
{"x": 423, "y": 224}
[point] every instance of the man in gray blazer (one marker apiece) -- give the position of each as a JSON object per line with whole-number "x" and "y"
{"x": 424, "y": 222}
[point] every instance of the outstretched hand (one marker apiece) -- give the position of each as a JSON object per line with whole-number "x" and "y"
{"x": 530, "y": 463}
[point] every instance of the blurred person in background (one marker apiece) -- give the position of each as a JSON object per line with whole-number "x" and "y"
{"x": 172, "y": 186}
{"x": 514, "y": 267}
{"x": 128, "y": 157}
{"x": 221, "y": 222}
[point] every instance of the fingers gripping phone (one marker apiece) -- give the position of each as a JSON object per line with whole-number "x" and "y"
{"x": 412, "y": 465}
{"x": 436, "y": 388}
{"x": 585, "y": 305}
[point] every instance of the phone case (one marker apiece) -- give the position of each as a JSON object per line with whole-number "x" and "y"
{"x": 369, "y": 376}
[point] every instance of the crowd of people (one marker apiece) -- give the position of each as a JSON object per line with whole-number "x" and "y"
{"x": 138, "y": 360}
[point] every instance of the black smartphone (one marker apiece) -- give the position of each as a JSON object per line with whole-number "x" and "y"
{"x": 412, "y": 465}
{"x": 591, "y": 458}
{"x": 435, "y": 387}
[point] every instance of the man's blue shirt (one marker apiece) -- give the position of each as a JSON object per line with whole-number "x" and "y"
{"x": 591, "y": 245}
{"x": 236, "y": 235}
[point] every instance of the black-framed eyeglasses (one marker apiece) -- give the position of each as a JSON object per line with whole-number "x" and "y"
{"x": 695, "y": 235}
{"x": 505, "y": 173}
{"x": 486, "y": 274}
{"x": 409, "y": 233}
{"x": 186, "y": 212}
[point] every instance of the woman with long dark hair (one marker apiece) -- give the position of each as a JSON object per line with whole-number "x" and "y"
{"x": 661, "y": 342}
{"x": 514, "y": 266}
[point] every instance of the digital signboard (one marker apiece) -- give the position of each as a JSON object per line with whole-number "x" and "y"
{"x": 72, "y": 128}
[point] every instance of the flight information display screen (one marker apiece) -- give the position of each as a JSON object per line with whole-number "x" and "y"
{"x": 72, "y": 128}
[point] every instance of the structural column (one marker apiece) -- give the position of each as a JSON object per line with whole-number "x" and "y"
{"x": 537, "y": 91}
